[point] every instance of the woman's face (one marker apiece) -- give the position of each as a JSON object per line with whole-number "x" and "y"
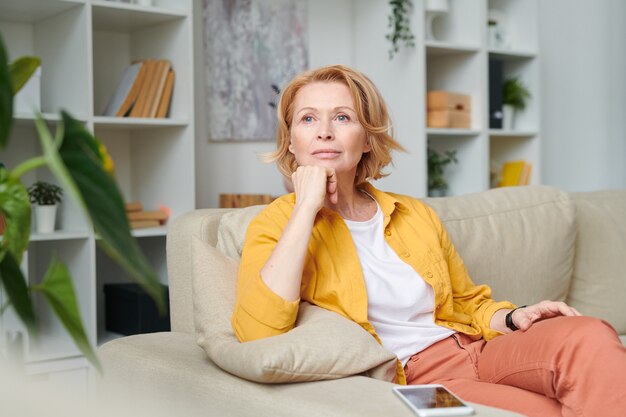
{"x": 325, "y": 130}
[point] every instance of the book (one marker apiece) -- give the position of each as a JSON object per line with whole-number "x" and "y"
{"x": 166, "y": 97}
{"x": 126, "y": 92}
{"x": 525, "y": 179}
{"x": 142, "y": 224}
{"x": 512, "y": 173}
{"x": 160, "y": 78}
{"x": 158, "y": 215}
{"x": 146, "y": 85}
{"x": 134, "y": 206}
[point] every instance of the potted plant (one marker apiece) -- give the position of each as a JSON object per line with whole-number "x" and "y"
{"x": 437, "y": 162}
{"x": 400, "y": 25}
{"x": 46, "y": 196}
{"x": 514, "y": 97}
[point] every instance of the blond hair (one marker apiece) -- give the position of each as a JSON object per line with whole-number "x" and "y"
{"x": 371, "y": 112}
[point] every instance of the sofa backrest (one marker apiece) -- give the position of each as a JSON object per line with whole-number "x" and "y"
{"x": 599, "y": 282}
{"x": 518, "y": 240}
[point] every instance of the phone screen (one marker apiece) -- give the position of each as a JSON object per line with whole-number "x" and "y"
{"x": 431, "y": 397}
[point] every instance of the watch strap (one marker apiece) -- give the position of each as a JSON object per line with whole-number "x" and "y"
{"x": 509, "y": 319}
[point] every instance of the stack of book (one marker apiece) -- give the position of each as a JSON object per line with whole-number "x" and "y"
{"x": 145, "y": 90}
{"x": 138, "y": 218}
{"x": 515, "y": 173}
{"x": 244, "y": 200}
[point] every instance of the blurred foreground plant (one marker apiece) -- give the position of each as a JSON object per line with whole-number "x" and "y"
{"x": 83, "y": 168}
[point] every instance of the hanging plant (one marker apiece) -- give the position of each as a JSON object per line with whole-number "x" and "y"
{"x": 400, "y": 26}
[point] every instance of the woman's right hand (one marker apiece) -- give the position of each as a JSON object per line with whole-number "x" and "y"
{"x": 312, "y": 185}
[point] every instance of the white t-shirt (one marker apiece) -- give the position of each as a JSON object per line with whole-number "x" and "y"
{"x": 400, "y": 302}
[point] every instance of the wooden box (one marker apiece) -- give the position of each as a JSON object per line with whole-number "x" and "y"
{"x": 449, "y": 118}
{"x": 440, "y": 100}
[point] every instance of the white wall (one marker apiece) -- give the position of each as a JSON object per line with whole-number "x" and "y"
{"x": 583, "y": 50}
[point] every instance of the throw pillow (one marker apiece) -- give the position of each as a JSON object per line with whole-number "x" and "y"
{"x": 323, "y": 345}
{"x": 232, "y": 230}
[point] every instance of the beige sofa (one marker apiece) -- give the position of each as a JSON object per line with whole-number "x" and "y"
{"x": 528, "y": 243}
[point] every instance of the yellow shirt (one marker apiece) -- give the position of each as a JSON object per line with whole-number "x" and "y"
{"x": 332, "y": 276}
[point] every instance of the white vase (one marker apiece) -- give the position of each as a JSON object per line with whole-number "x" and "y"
{"x": 508, "y": 117}
{"x": 434, "y": 9}
{"x": 45, "y": 217}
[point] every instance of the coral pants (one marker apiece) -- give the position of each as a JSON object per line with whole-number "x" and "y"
{"x": 564, "y": 366}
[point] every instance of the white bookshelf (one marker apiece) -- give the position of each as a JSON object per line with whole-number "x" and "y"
{"x": 456, "y": 60}
{"x": 85, "y": 45}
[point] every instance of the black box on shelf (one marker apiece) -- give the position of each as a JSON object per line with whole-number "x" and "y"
{"x": 130, "y": 310}
{"x": 496, "y": 81}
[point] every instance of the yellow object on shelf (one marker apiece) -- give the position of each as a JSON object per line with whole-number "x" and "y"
{"x": 515, "y": 173}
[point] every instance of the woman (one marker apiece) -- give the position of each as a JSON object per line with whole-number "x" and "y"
{"x": 386, "y": 262}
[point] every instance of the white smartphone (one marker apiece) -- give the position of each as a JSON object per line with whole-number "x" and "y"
{"x": 432, "y": 400}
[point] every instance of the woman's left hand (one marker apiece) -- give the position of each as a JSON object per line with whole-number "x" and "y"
{"x": 524, "y": 317}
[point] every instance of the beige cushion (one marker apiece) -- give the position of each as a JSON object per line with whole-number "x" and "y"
{"x": 599, "y": 283}
{"x": 232, "y": 230}
{"x": 518, "y": 240}
{"x": 323, "y": 345}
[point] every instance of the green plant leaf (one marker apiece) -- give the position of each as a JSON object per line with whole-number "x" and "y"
{"x": 15, "y": 207}
{"x": 22, "y": 70}
{"x": 58, "y": 289}
{"x": 82, "y": 154}
{"x": 6, "y": 98}
{"x": 15, "y": 287}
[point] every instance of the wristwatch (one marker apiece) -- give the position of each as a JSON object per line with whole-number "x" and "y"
{"x": 509, "y": 319}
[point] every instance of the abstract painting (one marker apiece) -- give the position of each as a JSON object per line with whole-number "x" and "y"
{"x": 252, "y": 49}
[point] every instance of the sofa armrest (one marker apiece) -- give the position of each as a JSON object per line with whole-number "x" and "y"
{"x": 171, "y": 365}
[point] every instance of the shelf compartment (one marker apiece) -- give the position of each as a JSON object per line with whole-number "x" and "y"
{"x": 463, "y": 177}
{"x": 519, "y": 21}
{"x": 528, "y": 72}
{"x": 516, "y": 147}
{"x": 459, "y": 73}
{"x": 461, "y": 24}
{"x": 115, "y": 49}
{"x": 108, "y": 272}
{"x": 25, "y": 144}
{"x": 149, "y": 164}
{"x": 77, "y": 254}
{"x": 64, "y": 81}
